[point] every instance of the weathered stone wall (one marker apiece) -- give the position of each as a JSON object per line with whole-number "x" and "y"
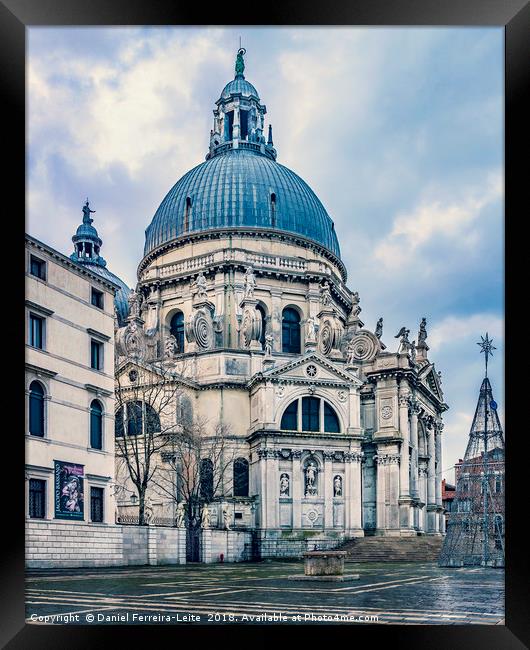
{"x": 233, "y": 544}
{"x": 65, "y": 544}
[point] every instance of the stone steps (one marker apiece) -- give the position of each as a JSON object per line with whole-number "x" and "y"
{"x": 393, "y": 549}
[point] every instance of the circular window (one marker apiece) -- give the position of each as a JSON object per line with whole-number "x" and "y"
{"x": 133, "y": 375}
{"x": 311, "y": 370}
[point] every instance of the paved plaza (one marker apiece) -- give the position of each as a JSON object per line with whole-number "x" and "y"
{"x": 419, "y": 593}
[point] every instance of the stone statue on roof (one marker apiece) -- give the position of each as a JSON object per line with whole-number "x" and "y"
{"x": 86, "y": 213}
{"x": 240, "y": 64}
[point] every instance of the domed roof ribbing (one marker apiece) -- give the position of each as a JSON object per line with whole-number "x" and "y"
{"x": 236, "y": 189}
{"x": 240, "y": 185}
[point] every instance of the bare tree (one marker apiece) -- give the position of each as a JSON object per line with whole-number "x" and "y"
{"x": 147, "y": 398}
{"x": 197, "y": 469}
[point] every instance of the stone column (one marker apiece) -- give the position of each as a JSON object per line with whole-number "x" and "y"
{"x": 206, "y": 545}
{"x": 235, "y": 125}
{"x": 414, "y": 487}
{"x": 273, "y": 501}
{"x": 438, "y": 488}
{"x": 387, "y": 493}
{"x": 297, "y": 489}
{"x": 422, "y": 479}
{"x": 431, "y": 480}
{"x": 152, "y": 552}
{"x": 263, "y": 488}
{"x": 328, "y": 489}
{"x": 354, "y": 499}
{"x": 405, "y": 499}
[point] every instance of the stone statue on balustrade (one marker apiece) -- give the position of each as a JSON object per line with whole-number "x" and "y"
{"x": 205, "y": 517}
{"x": 250, "y": 283}
{"x": 200, "y": 286}
{"x": 180, "y": 515}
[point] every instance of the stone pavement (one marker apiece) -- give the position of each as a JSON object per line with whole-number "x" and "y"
{"x": 419, "y": 593}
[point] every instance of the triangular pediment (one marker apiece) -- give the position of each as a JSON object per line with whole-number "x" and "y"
{"x": 147, "y": 373}
{"x": 429, "y": 377}
{"x": 311, "y": 367}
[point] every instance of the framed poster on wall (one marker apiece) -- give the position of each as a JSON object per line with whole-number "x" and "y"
{"x": 69, "y": 501}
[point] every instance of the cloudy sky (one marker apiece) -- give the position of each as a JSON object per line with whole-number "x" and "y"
{"x": 398, "y": 131}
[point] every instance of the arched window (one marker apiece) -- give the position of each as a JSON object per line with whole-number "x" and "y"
{"x": 96, "y": 425}
{"x": 273, "y": 210}
{"x": 177, "y": 329}
{"x": 141, "y": 418}
{"x": 263, "y": 325}
{"x": 187, "y": 213}
{"x": 206, "y": 479}
{"x": 241, "y": 477}
{"x": 152, "y": 421}
{"x": 290, "y": 331}
{"x": 310, "y": 414}
{"x": 36, "y": 409}
{"x": 290, "y": 417}
{"x": 317, "y": 415}
{"x": 331, "y": 421}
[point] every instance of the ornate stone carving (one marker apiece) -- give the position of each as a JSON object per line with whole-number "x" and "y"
{"x": 387, "y": 459}
{"x": 269, "y": 339}
{"x": 251, "y": 326}
{"x": 284, "y": 485}
{"x": 364, "y": 346}
{"x": 200, "y": 286}
{"x": 310, "y": 476}
{"x": 404, "y": 343}
{"x": 311, "y": 370}
{"x": 134, "y": 345}
{"x": 329, "y": 336}
{"x": 325, "y": 294}
{"x": 297, "y": 454}
{"x": 337, "y": 486}
{"x": 353, "y": 457}
{"x": 310, "y": 331}
{"x": 250, "y": 283}
{"x": 422, "y": 334}
{"x": 386, "y": 412}
{"x": 170, "y": 346}
{"x": 280, "y": 390}
{"x": 356, "y": 309}
{"x": 199, "y": 329}
{"x": 328, "y": 455}
{"x": 134, "y": 299}
{"x": 205, "y": 517}
{"x": 179, "y": 516}
{"x": 379, "y": 328}
{"x": 342, "y": 395}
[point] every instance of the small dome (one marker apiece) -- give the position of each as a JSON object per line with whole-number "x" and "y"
{"x": 120, "y": 299}
{"x": 239, "y": 85}
{"x": 86, "y": 230}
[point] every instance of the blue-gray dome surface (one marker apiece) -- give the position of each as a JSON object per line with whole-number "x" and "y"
{"x": 239, "y": 85}
{"x": 233, "y": 190}
{"x": 120, "y": 298}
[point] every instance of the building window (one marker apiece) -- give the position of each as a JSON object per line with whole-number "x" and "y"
{"x": 97, "y": 298}
{"x": 176, "y": 328}
{"x": 36, "y": 331}
{"x": 187, "y": 214}
{"x": 290, "y": 331}
{"x": 243, "y": 124}
{"x": 37, "y": 267}
{"x": 498, "y": 485}
{"x": 96, "y": 425}
{"x": 331, "y": 421}
{"x": 316, "y": 415}
{"x": 141, "y": 418}
{"x": 206, "y": 478}
{"x": 290, "y": 417}
{"x": 273, "y": 210}
{"x": 96, "y": 504}
{"x": 310, "y": 414}
{"x": 96, "y": 355}
{"x": 36, "y": 409}
{"x": 37, "y": 498}
{"x": 241, "y": 477}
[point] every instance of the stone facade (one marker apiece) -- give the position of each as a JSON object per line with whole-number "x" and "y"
{"x": 257, "y": 325}
{"x": 69, "y": 425}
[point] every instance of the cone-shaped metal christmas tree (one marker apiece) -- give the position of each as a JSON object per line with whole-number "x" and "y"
{"x": 475, "y": 530}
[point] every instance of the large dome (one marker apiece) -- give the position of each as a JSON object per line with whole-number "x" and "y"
{"x": 235, "y": 189}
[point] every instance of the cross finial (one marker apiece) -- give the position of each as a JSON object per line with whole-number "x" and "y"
{"x": 486, "y": 347}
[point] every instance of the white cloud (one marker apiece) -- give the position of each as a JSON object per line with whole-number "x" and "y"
{"x": 438, "y": 219}
{"x": 454, "y": 329}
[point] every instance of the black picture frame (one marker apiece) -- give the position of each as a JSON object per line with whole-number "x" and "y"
{"x": 15, "y": 16}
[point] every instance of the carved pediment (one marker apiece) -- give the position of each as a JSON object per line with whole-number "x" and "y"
{"x": 430, "y": 378}
{"x": 312, "y": 368}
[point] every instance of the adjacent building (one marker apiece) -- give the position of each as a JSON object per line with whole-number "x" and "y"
{"x": 69, "y": 424}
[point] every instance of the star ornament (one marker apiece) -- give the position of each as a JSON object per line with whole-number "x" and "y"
{"x": 486, "y": 346}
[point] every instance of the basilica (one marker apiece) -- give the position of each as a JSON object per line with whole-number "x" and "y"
{"x": 242, "y": 300}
